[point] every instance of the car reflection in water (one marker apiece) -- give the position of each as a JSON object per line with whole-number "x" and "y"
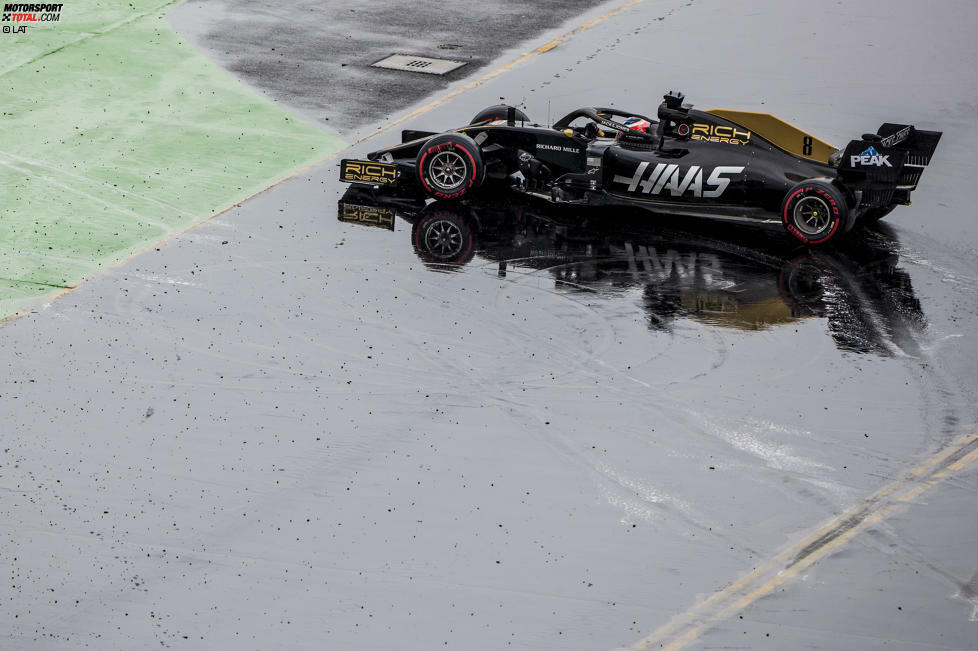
{"x": 717, "y": 274}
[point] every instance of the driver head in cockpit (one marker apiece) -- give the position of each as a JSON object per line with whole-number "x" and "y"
{"x": 638, "y": 124}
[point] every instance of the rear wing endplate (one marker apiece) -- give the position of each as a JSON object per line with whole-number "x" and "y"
{"x": 887, "y": 165}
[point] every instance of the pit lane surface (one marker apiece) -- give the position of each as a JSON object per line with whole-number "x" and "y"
{"x": 280, "y": 430}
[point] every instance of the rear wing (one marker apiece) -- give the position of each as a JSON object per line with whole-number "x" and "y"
{"x": 886, "y": 166}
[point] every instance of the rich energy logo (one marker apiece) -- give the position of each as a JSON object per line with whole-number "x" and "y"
{"x": 672, "y": 179}
{"x": 29, "y": 13}
{"x": 367, "y": 215}
{"x": 870, "y": 157}
{"x": 367, "y": 172}
{"x": 718, "y": 133}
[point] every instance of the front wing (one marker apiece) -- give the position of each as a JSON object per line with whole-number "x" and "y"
{"x": 370, "y": 172}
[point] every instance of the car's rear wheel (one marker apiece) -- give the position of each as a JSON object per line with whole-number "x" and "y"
{"x": 450, "y": 166}
{"x": 815, "y": 212}
{"x": 801, "y": 285}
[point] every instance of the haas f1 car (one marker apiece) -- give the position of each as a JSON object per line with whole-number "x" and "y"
{"x": 726, "y": 164}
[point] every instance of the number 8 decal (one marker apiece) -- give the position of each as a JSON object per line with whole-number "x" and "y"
{"x": 806, "y": 149}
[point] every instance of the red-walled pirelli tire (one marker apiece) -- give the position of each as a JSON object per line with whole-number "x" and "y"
{"x": 450, "y": 166}
{"x": 815, "y": 212}
{"x": 443, "y": 235}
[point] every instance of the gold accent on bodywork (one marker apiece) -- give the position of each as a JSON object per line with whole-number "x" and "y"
{"x": 367, "y": 215}
{"x": 779, "y": 133}
{"x": 717, "y": 308}
{"x": 362, "y": 171}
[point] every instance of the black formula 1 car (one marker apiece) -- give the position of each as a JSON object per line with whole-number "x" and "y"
{"x": 727, "y": 164}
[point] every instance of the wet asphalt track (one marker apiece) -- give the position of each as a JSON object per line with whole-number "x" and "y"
{"x": 315, "y": 56}
{"x": 283, "y": 431}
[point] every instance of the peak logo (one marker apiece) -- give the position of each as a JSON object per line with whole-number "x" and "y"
{"x": 677, "y": 182}
{"x": 870, "y": 157}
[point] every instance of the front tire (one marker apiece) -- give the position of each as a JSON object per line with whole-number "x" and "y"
{"x": 815, "y": 212}
{"x": 450, "y": 166}
{"x": 444, "y": 235}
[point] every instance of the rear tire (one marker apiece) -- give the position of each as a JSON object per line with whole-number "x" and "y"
{"x": 815, "y": 212}
{"x": 801, "y": 286}
{"x": 450, "y": 166}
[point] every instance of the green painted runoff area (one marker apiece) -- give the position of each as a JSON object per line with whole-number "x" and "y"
{"x": 117, "y": 134}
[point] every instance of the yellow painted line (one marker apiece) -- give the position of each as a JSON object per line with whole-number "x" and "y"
{"x": 410, "y": 116}
{"x": 687, "y": 627}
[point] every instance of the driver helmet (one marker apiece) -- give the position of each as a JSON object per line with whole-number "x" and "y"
{"x": 638, "y": 124}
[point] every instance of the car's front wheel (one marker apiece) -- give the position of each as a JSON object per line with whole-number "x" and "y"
{"x": 444, "y": 234}
{"x": 815, "y": 212}
{"x": 450, "y": 166}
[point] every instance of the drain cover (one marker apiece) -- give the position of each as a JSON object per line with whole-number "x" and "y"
{"x": 427, "y": 65}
